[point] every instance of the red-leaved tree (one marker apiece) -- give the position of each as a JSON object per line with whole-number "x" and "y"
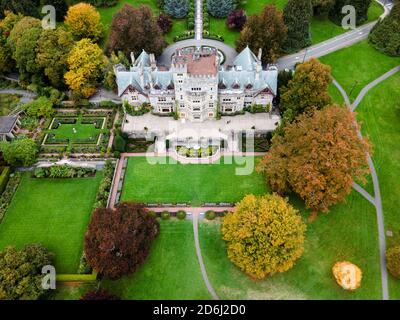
{"x": 118, "y": 241}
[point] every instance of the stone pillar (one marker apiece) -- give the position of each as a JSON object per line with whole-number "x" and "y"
{"x": 233, "y": 142}
{"x": 160, "y": 144}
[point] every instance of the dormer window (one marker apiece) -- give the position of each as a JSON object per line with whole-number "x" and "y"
{"x": 157, "y": 86}
{"x": 147, "y": 86}
{"x": 236, "y": 85}
{"x": 222, "y": 86}
{"x": 170, "y": 86}
{"x": 249, "y": 86}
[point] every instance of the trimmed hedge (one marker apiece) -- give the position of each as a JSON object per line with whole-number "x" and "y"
{"x": 77, "y": 277}
{"x": 7, "y": 195}
{"x": 105, "y": 185}
{"x": 5, "y": 175}
{"x": 210, "y": 215}
{"x": 181, "y": 215}
{"x": 165, "y": 215}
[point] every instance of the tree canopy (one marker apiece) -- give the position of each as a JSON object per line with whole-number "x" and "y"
{"x": 361, "y": 7}
{"x": 176, "y": 8}
{"x": 385, "y": 36}
{"x": 393, "y": 261}
{"x": 53, "y": 49}
{"x": 134, "y": 30}
{"x": 118, "y": 241}
{"x": 83, "y": 21}
{"x": 21, "y": 272}
{"x": 266, "y": 30}
{"x": 19, "y": 152}
{"x": 220, "y": 8}
{"x": 318, "y": 157}
{"x": 297, "y": 15}
{"x": 307, "y": 90}
{"x": 264, "y": 235}
{"x": 41, "y": 107}
{"x": 85, "y": 65}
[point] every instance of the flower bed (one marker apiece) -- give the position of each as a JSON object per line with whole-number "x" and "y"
{"x": 196, "y": 153}
{"x": 63, "y": 171}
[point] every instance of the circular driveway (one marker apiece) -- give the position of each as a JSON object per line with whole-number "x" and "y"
{"x": 229, "y": 52}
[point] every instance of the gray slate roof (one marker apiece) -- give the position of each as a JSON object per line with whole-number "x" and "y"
{"x": 7, "y": 124}
{"x": 243, "y": 74}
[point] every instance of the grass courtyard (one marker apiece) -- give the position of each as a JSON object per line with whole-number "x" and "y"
{"x": 84, "y": 130}
{"x": 170, "y": 272}
{"x": 195, "y": 184}
{"x": 380, "y": 114}
{"x": 53, "y": 212}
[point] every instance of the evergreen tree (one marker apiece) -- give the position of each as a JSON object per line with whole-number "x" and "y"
{"x": 176, "y": 8}
{"x": 385, "y": 36}
{"x": 220, "y": 8}
{"x": 361, "y": 7}
{"x": 297, "y": 16}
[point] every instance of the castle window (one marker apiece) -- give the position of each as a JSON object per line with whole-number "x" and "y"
{"x": 221, "y": 86}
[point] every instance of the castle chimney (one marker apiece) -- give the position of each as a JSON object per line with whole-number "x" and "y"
{"x": 153, "y": 61}
{"x": 259, "y": 54}
{"x": 132, "y": 58}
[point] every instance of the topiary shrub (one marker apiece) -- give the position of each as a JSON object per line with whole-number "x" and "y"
{"x": 210, "y": 215}
{"x": 153, "y": 214}
{"x": 393, "y": 261}
{"x": 165, "y": 215}
{"x": 181, "y": 215}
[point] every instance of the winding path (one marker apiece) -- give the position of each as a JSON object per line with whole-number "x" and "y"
{"x": 373, "y": 84}
{"x": 377, "y": 200}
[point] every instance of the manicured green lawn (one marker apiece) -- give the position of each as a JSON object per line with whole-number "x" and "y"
{"x": 170, "y": 272}
{"x": 323, "y": 29}
{"x": 380, "y": 114}
{"x": 335, "y": 94}
{"x": 73, "y": 292}
{"x": 53, "y": 212}
{"x": 196, "y": 184}
{"x": 84, "y": 131}
{"x": 356, "y": 66}
{"x": 7, "y": 103}
{"x": 348, "y": 232}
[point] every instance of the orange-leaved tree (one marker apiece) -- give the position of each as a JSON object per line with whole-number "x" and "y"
{"x": 318, "y": 157}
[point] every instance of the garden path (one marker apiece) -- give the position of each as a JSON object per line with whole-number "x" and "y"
{"x": 377, "y": 200}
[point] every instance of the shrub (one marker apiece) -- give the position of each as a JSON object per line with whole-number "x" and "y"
{"x": 63, "y": 171}
{"x": 5, "y": 175}
{"x": 100, "y": 294}
{"x": 152, "y": 214}
{"x": 165, "y": 215}
{"x": 181, "y": 215}
{"x": 7, "y": 195}
{"x": 210, "y": 215}
{"x": 220, "y": 8}
{"x": 165, "y": 23}
{"x": 119, "y": 143}
{"x": 236, "y": 19}
{"x": 393, "y": 261}
{"x": 176, "y": 8}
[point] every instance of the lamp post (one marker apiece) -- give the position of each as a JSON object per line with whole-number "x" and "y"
{"x": 305, "y": 54}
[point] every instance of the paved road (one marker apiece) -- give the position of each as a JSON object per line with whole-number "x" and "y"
{"x": 371, "y": 85}
{"x": 26, "y": 95}
{"x": 377, "y": 202}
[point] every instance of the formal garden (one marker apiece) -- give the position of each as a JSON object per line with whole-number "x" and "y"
{"x": 300, "y": 217}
